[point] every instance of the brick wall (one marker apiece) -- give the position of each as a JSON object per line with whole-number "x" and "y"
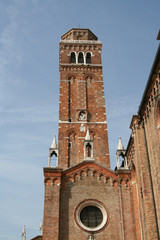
{"x": 144, "y": 153}
{"x": 101, "y": 185}
{"x": 52, "y": 182}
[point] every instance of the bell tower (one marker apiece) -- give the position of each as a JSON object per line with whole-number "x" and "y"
{"x": 83, "y": 197}
{"x": 82, "y": 104}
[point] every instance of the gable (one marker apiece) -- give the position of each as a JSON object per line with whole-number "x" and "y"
{"x": 92, "y": 169}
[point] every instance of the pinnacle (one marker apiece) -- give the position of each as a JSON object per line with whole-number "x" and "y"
{"x": 120, "y": 145}
{"x": 54, "y": 143}
{"x": 88, "y": 136}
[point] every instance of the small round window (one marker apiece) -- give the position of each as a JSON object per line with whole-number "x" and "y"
{"x": 91, "y": 215}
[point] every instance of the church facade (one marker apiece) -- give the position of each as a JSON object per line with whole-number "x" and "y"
{"x": 84, "y": 199}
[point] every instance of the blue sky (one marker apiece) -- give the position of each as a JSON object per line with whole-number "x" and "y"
{"x": 30, "y": 31}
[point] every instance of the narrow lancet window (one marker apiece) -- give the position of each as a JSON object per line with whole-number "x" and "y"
{"x": 88, "y": 58}
{"x": 80, "y": 58}
{"x": 88, "y": 150}
{"x": 88, "y": 146}
{"x": 73, "y": 57}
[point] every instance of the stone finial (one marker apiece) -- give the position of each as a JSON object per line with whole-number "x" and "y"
{"x": 121, "y": 153}
{"x": 53, "y": 150}
{"x": 88, "y": 146}
{"x": 120, "y": 145}
{"x": 23, "y": 235}
{"x": 41, "y": 228}
{"x": 54, "y": 143}
{"x": 88, "y": 136}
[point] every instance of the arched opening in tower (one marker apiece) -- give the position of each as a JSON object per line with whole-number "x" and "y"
{"x": 88, "y": 150}
{"x": 53, "y": 159}
{"x": 80, "y": 58}
{"x": 88, "y": 57}
{"x": 73, "y": 57}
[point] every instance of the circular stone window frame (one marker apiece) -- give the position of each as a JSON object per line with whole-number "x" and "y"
{"x": 95, "y": 203}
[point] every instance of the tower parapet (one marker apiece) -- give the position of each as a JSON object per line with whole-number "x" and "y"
{"x": 79, "y": 34}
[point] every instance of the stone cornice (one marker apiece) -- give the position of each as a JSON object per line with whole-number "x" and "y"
{"x": 78, "y": 67}
{"x": 134, "y": 122}
{"x": 88, "y": 164}
{"x": 130, "y": 152}
{"x": 54, "y": 170}
{"x": 81, "y": 41}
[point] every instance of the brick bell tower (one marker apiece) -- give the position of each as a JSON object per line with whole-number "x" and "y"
{"x": 82, "y": 103}
{"x": 82, "y": 198}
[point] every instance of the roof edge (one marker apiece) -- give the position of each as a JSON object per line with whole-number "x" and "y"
{"x": 79, "y": 29}
{"x": 87, "y": 162}
{"x": 149, "y": 79}
{"x": 158, "y": 36}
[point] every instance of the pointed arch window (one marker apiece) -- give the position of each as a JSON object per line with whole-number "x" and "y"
{"x": 88, "y": 150}
{"x": 88, "y": 57}
{"x": 80, "y": 58}
{"x": 73, "y": 57}
{"x": 53, "y": 158}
